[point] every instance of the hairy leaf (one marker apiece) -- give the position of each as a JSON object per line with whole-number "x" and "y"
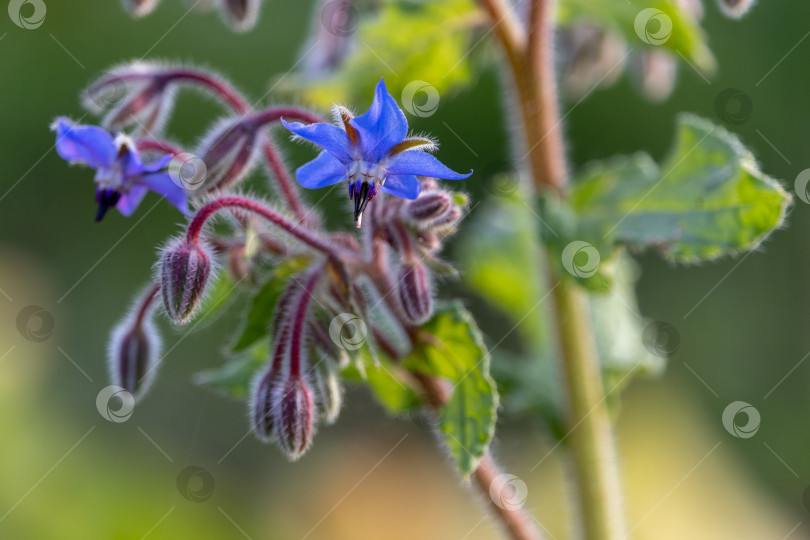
{"x": 387, "y": 382}
{"x": 233, "y": 378}
{"x": 456, "y": 353}
{"x": 707, "y": 199}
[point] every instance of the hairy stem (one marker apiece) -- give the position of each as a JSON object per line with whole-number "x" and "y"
{"x": 515, "y": 519}
{"x": 210, "y": 208}
{"x": 592, "y": 443}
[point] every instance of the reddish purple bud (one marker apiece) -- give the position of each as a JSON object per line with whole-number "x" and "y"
{"x": 184, "y": 270}
{"x": 427, "y": 208}
{"x": 448, "y": 220}
{"x": 240, "y": 15}
{"x": 414, "y": 293}
{"x": 294, "y": 415}
{"x": 140, "y": 8}
{"x": 261, "y": 405}
{"x": 135, "y": 98}
{"x": 135, "y": 347}
{"x": 229, "y": 152}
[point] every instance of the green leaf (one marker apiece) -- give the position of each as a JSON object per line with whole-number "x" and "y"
{"x": 219, "y": 297}
{"x": 457, "y": 353}
{"x": 408, "y": 42}
{"x": 263, "y": 306}
{"x": 687, "y": 38}
{"x": 708, "y": 198}
{"x": 233, "y": 378}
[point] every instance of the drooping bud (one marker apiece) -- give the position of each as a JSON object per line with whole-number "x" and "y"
{"x": 262, "y": 415}
{"x": 592, "y": 56}
{"x": 183, "y": 270}
{"x": 427, "y": 208}
{"x": 735, "y": 9}
{"x": 140, "y": 8}
{"x": 136, "y": 98}
{"x": 414, "y": 293}
{"x": 229, "y": 152}
{"x": 135, "y": 347}
{"x": 448, "y": 220}
{"x": 294, "y": 415}
{"x": 240, "y": 15}
{"x": 654, "y": 71}
{"x": 328, "y": 391}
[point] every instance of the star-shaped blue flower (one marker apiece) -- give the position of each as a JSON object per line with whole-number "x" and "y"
{"x": 122, "y": 179}
{"x": 371, "y": 151}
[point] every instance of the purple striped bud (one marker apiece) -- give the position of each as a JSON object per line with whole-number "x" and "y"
{"x": 294, "y": 415}
{"x": 414, "y": 293}
{"x": 448, "y": 220}
{"x": 240, "y": 15}
{"x": 261, "y": 404}
{"x": 229, "y": 151}
{"x": 427, "y": 208}
{"x": 735, "y": 9}
{"x": 136, "y": 98}
{"x": 328, "y": 390}
{"x": 135, "y": 347}
{"x": 184, "y": 269}
{"x": 140, "y": 8}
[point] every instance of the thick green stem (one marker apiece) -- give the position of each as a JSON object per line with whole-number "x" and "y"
{"x": 530, "y": 55}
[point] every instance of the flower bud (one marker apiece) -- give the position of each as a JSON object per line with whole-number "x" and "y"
{"x": 134, "y": 348}
{"x": 428, "y": 207}
{"x": 140, "y": 8}
{"x": 735, "y": 9}
{"x": 229, "y": 152}
{"x": 184, "y": 269}
{"x": 293, "y": 417}
{"x": 261, "y": 404}
{"x": 448, "y": 220}
{"x": 328, "y": 391}
{"x": 414, "y": 293}
{"x": 240, "y": 15}
{"x": 654, "y": 72}
{"x": 136, "y": 97}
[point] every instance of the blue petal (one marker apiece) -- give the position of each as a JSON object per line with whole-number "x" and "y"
{"x": 162, "y": 184}
{"x": 159, "y": 164}
{"x": 130, "y": 201}
{"x": 330, "y": 137}
{"x": 90, "y": 145}
{"x": 322, "y": 171}
{"x": 406, "y": 186}
{"x": 422, "y": 164}
{"x": 381, "y": 127}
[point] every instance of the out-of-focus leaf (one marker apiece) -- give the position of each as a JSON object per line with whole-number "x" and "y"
{"x": 408, "y": 43}
{"x": 263, "y": 306}
{"x": 686, "y": 37}
{"x": 456, "y": 353}
{"x": 222, "y": 291}
{"x": 233, "y": 378}
{"x": 708, "y": 199}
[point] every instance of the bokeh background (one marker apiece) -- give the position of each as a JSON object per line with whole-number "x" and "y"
{"x": 68, "y": 473}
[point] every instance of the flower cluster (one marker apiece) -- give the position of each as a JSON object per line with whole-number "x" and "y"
{"x": 380, "y": 283}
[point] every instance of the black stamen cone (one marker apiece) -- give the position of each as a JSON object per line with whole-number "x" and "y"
{"x": 106, "y": 200}
{"x": 361, "y": 200}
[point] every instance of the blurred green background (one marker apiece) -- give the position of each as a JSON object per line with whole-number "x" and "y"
{"x": 68, "y": 473}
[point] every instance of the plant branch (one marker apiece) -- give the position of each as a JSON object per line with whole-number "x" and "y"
{"x": 592, "y": 444}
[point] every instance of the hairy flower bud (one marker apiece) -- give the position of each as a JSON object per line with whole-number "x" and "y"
{"x": 294, "y": 415}
{"x": 136, "y": 98}
{"x": 448, "y": 220}
{"x": 184, "y": 269}
{"x": 427, "y": 208}
{"x": 240, "y": 15}
{"x": 654, "y": 71}
{"x": 229, "y": 151}
{"x": 262, "y": 415}
{"x": 414, "y": 293}
{"x": 328, "y": 391}
{"x": 140, "y": 8}
{"x": 735, "y": 8}
{"x": 134, "y": 348}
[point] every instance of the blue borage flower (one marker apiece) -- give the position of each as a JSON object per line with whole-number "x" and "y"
{"x": 371, "y": 151}
{"x": 122, "y": 179}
